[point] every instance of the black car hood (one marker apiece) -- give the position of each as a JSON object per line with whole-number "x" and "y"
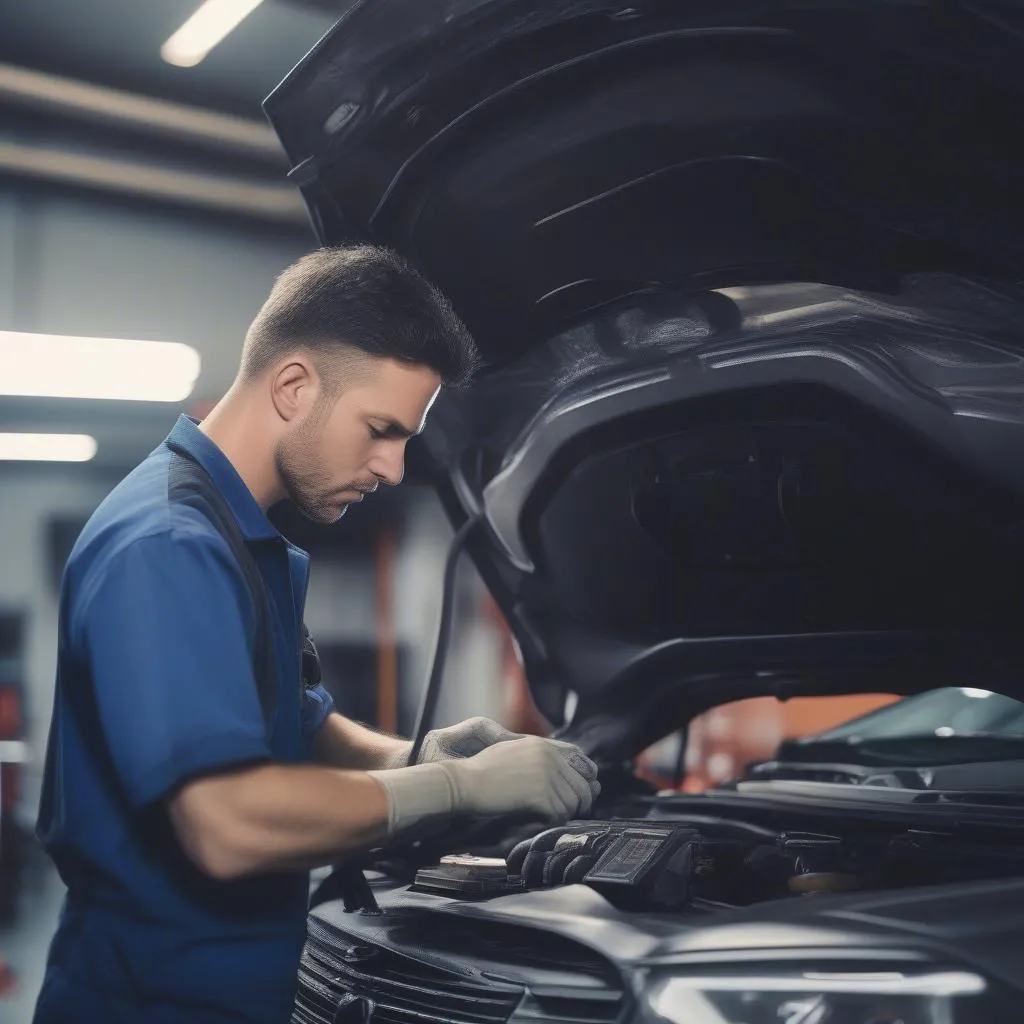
{"x": 698, "y": 481}
{"x": 924, "y": 925}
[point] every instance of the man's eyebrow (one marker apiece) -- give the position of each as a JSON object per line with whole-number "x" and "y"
{"x": 392, "y": 428}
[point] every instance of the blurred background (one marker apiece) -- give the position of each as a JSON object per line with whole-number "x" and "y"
{"x": 144, "y": 214}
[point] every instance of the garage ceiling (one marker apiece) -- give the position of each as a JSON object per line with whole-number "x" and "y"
{"x": 117, "y": 43}
{"x": 199, "y": 293}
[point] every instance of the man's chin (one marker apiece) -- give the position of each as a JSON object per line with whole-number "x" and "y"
{"x": 324, "y": 515}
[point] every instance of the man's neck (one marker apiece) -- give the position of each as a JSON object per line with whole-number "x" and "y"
{"x": 237, "y": 429}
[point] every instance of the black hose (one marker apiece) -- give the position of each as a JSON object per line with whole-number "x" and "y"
{"x": 679, "y": 770}
{"x": 428, "y": 704}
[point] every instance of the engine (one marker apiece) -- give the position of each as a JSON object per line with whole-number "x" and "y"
{"x": 670, "y": 865}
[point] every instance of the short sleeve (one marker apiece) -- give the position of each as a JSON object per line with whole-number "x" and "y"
{"x": 166, "y": 638}
{"x": 317, "y": 704}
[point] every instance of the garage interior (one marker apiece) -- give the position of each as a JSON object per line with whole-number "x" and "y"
{"x": 145, "y": 200}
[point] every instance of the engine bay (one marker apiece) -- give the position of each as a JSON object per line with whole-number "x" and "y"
{"x": 551, "y": 926}
{"x": 704, "y": 864}
{"x": 567, "y": 927}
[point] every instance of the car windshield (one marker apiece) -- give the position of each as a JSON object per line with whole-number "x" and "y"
{"x": 951, "y": 711}
{"x": 952, "y": 725}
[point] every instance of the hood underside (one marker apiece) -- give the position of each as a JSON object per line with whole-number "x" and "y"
{"x": 539, "y": 157}
{"x": 785, "y": 490}
{"x": 688, "y": 471}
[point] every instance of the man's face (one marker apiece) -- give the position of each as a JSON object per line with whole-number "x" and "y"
{"x": 346, "y": 445}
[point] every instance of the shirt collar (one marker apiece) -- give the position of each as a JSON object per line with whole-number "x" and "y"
{"x": 186, "y": 437}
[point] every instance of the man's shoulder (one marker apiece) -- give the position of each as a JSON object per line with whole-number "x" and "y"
{"x": 149, "y": 508}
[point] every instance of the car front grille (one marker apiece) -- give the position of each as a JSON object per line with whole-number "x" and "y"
{"x": 395, "y": 989}
{"x": 373, "y": 985}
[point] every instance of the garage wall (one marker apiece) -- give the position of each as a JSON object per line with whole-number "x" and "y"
{"x": 8, "y": 203}
{"x": 95, "y": 267}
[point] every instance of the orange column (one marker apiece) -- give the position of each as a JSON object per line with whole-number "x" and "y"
{"x": 387, "y": 654}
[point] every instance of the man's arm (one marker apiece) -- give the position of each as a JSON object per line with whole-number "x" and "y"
{"x": 170, "y": 609}
{"x": 277, "y": 818}
{"x": 342, "y": 743}
{"x": 289, "y": 817}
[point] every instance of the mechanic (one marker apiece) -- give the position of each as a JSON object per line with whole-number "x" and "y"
{"x": 185, "y": 802}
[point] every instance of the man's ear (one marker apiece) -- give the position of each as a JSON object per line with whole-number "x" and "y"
{"x": 294, "y": 388}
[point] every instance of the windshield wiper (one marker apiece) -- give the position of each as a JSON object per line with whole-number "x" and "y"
{"x": 836, "y": 772}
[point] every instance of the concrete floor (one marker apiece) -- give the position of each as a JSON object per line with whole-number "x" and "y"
{"x": 23, "y": 945}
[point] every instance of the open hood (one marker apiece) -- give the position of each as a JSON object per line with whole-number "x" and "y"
{"x": 699, "y": 478}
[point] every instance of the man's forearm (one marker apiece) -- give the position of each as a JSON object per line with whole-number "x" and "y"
{"x": 342, "y": 743}
{"x": 277, "y": 818}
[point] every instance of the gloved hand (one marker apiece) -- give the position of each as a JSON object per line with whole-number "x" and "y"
{"x": 543, "y": 780}
{"x": 530, "y": 775}
{"x": 461, "y": 740}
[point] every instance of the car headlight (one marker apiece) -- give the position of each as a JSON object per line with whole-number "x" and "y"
{"x": 818, "y": 997}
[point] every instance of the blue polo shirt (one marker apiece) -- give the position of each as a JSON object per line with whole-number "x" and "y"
{"x": 155, "y": 685}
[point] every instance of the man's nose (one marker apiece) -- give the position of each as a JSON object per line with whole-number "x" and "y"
{"x": 389, "y": 467}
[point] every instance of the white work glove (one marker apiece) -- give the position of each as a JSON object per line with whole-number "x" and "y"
{"x": 530, "y": 778}
{"x": 461, "y": 740}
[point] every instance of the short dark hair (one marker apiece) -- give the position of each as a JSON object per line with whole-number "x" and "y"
{"x": 365, "y": 297}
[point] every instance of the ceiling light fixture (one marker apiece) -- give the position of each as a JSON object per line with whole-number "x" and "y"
{"x": 204, "y": 30}
{"x": 57, "y": 366}
{"x": 47, "y": 447}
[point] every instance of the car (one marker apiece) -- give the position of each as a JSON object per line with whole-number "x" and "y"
{"x": 746, "y": 281}
{"x": 926, "y": 733}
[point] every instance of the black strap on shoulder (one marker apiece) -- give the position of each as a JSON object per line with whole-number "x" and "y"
{"x": 189, "y": 481}
{"x": 311, "y": 672}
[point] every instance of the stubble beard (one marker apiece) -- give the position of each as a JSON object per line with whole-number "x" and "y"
{"x": 304, "y": 486}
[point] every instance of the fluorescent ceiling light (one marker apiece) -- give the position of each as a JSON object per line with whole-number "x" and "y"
{"x": 13, "y": 751}
{"x": 47, "y": 447}
{"x": 204, "y": 30}
{"x": 55, "y": 366}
